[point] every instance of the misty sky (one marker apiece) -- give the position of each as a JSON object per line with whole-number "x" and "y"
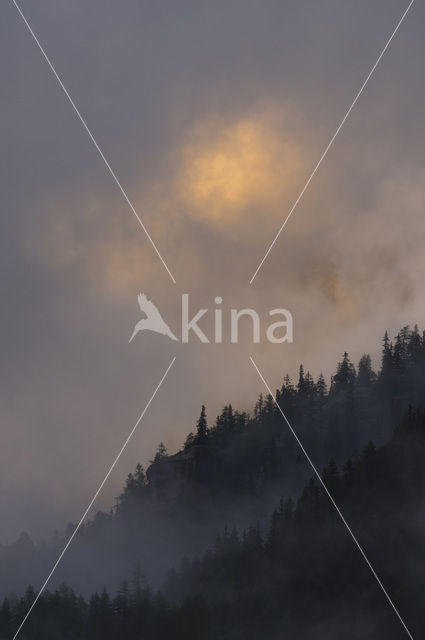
{"x": 213, "y": 115}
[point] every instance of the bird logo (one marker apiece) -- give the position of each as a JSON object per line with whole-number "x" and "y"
{"x": 153, "y": 320}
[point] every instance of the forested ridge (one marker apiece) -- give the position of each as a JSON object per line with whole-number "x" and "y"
{"x": 294, "y": 570}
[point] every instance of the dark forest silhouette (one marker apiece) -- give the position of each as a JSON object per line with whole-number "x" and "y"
{"x": 294, "y": 570}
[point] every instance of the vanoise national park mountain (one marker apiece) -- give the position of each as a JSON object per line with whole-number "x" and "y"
{"x": 234, "y": 538}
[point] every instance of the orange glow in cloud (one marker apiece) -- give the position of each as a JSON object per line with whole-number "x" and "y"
{"x": 245, "y": 164}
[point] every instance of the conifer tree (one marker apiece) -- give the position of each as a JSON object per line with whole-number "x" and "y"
{"x": 190, "y": 440}
{"x": 366, "y": 376}
{"x": 387, "y": 355}
{"x": 160, "y": 453}
{"x": 309, "y": 386}
{"x": 321, "y": 387}
{"x": 259, "y": 406}
{"x": 288, "y": 383}
{"x": 301, "y": 380}
{"x": 345, "y": 374}
{"x": 202, "y": 426}
{"x": 414, "y": 347}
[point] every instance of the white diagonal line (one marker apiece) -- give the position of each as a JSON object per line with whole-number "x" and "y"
{"x": 322, "y": 157}
{"x": 93, "y": 499}
{"x": 311, "y": 463}
{"x": 102, "y": 155}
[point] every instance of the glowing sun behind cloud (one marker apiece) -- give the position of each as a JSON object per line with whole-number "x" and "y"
{"x": 227, "y": 170}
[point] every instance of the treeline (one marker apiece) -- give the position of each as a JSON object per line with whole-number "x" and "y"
{"x": 303, "y": 577}
{"x": 236, "y": 468}
{"x": 135, "y": 612}
{"x": 306, "y": 576}
{"x": 251, "y": 453}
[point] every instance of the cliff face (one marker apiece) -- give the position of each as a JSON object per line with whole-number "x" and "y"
{"x": 226, "y": 477}
{"x": 172, "y": 476}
